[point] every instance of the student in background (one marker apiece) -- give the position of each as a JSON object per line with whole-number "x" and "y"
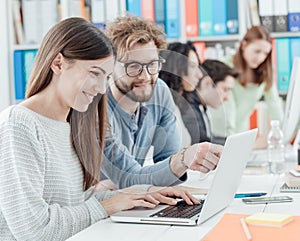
{"x": 50, "y": 152}
{"x": 182, "y": 74}
{"x": 140, "y": 111}
{"x": 253, "y": 61}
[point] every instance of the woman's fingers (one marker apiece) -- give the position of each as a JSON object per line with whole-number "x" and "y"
{"x": 143, "y": 203}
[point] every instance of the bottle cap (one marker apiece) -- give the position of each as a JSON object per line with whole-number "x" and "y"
{"x": 274, "y": 122}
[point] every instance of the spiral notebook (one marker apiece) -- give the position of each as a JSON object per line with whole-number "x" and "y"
{"x": 286, "y": 188}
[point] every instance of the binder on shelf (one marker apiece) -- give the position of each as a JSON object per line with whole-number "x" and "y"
{"x": 48, "y": 15}
{"x": 97, "y": 13}
{"x": 18, "y": 25}
{"x": 266, "y": 14}
{"x": 205, "y": 18}
{"x": 219, "y": 19}
{"x": 147, "y": 7}
{"x": 253, "y": 10}
{"x": 38, "y": 18}
{"x": 283, "y": 64}
{"x": 232, "y": 21}
{"x": 29, "y": 57}
{"x": 280, "y": 10}
{"x": 295, "y": 48}
{"x": 294, "y": 15}
{"x": 191, "y": 18}
{"x": 31, "y": 21}
{"x": 274, "y": 61}
{"x": 122, "y": 8}
{"x": 172, "y": 20}
{"x": 19, "y": 80}
{"x": 74, "y": 8}
{"x": 159, "y": 13}
{"x": 134, "y": 7}
{"x": 200, "y": 48}
{"x": 112, "y": 9}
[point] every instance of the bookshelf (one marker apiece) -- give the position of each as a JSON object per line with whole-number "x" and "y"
{"x": 107, "y": 9}
{"x": 4, "y": 60}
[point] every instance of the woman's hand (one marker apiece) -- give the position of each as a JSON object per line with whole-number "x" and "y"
{"x": 168, "y": 195}
{"x": 131, "y": 197}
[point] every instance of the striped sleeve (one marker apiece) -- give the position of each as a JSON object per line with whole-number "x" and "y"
{"x": 27, "y": 215}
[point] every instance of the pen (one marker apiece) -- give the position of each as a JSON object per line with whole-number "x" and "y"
{"x": 254, "y": 194}
{"x": 246, "y": 230}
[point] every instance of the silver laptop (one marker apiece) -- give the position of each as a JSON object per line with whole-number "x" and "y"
{"x": 225, "y": 183}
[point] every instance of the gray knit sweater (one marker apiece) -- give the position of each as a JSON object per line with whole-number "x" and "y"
{"x": 41, "y": 195}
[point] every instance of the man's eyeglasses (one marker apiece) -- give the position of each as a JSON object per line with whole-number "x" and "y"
{"x": 134, "y": 69}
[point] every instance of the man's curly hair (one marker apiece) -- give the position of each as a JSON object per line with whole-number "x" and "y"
{"x": 125, "y": 32}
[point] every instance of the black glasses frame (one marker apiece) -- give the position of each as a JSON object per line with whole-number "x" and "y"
{"x": 125, "y": 65}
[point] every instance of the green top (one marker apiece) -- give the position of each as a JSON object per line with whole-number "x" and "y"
{"x": 233, "y": 116}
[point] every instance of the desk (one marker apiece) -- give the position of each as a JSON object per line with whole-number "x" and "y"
{"x": 107, "y": 230}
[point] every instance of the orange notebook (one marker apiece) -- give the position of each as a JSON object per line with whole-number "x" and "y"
{"x": 230, "y": 228}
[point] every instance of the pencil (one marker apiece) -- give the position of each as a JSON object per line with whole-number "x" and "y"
{"x": 246, "y": 230}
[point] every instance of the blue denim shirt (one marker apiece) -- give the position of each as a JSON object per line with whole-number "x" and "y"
{"x": 129, "y": 140}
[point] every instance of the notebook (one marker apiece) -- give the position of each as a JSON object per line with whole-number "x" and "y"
{"x": 230, "y": 228}
{"x": 227, "y": 178}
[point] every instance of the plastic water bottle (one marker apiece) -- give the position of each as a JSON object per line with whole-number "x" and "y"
{"x": 276, "y": 148}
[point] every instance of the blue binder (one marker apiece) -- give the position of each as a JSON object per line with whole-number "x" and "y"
{"x": 283, "y": 64}
{"x": 159, "y": 13}
{"x": 219, "y": 17}
{"x": 232, "y": 22}
{"x": 295, "y": 48}
{"x": 294, "y": 22}
{"x": 205, "y": 18}
{"x": 19, "y": 75}
{"x": 29, "y": 57}
{"x": 172, "y": 18}
{"x": 134, "y": 7}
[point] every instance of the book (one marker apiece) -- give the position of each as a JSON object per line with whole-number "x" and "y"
{"x": 253, "y": 10}
{"x": 286, "y": 188}
{"x": 269, "y": 219}
{"x": 18, "y": 25}
{"x": 230, "y": 228}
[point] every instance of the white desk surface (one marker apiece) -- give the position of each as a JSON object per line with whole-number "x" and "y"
{"x": 107, "y": 230}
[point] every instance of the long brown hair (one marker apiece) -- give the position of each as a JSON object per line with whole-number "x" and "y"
{"x": 263, "y": 73}
{"x": 77, "y": 39}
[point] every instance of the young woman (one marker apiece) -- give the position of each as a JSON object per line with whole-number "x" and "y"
{"x": 194, "y": 90}
{"x": 50, "y": 156}
{"x": 253, "y": 61}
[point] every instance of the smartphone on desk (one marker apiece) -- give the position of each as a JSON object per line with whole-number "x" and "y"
{"x": 264, "y": 200}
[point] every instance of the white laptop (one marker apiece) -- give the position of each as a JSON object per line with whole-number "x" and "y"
{"x": 225, "y": 183}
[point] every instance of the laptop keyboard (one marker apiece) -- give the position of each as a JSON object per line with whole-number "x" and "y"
{"x": 180, "y": 210}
